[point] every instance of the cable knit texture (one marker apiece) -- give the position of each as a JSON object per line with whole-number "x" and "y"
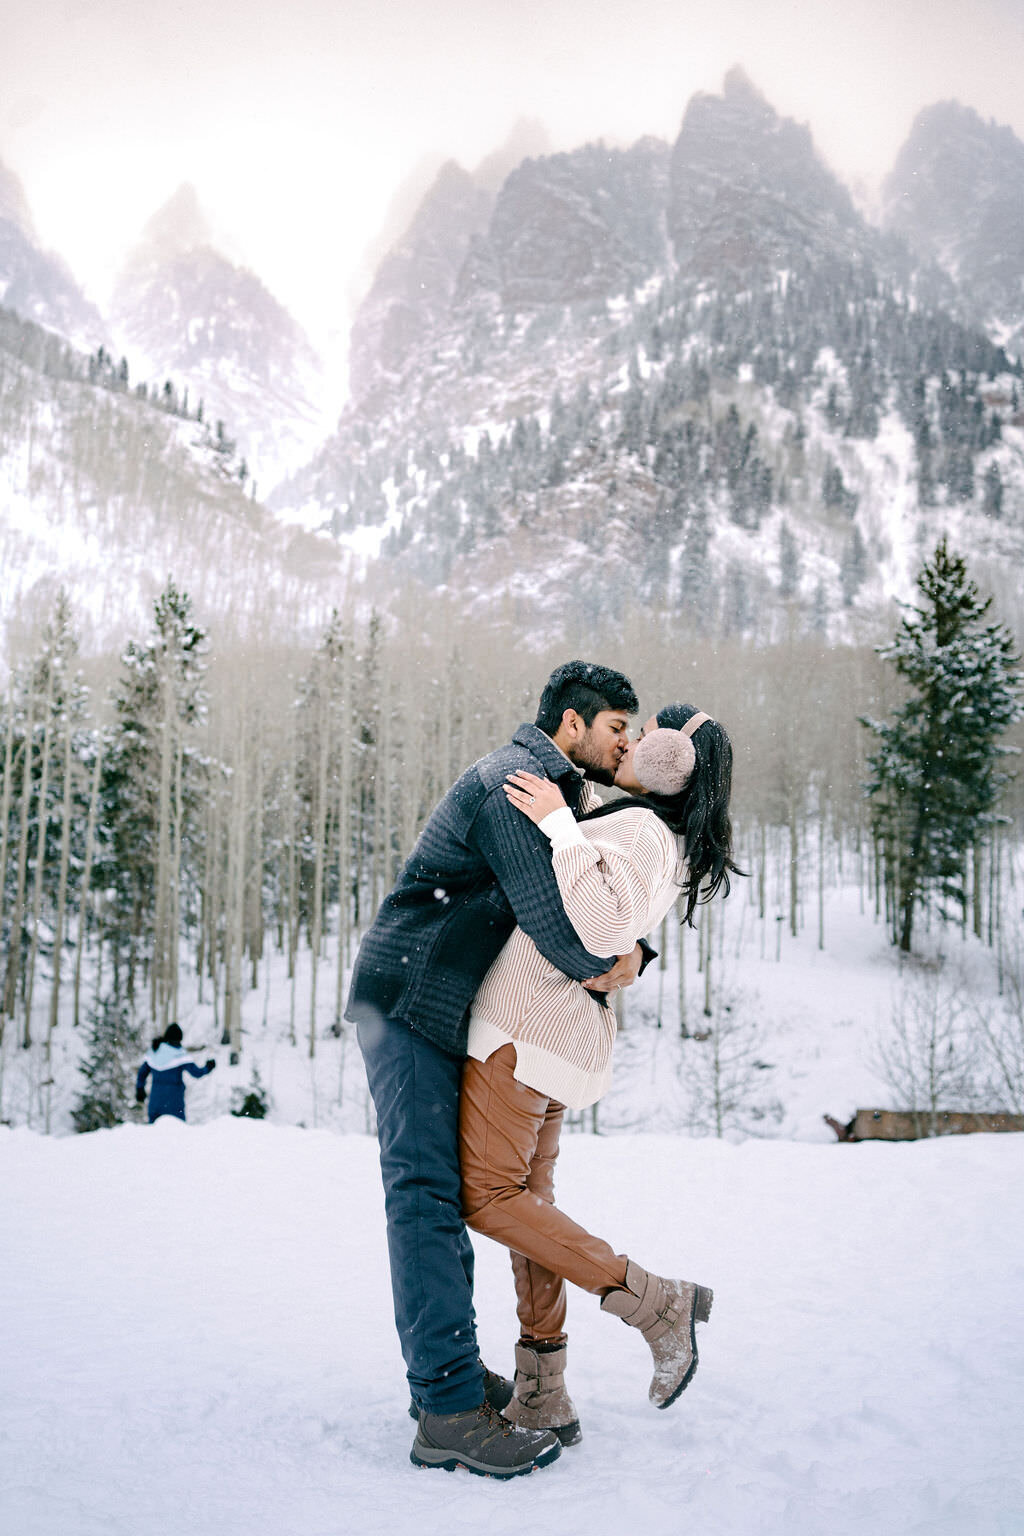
{"x": 617, "y": 876}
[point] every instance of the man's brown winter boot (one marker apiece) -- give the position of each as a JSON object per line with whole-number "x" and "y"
{"x": 539, "y": 1398}
{"x": 666, "y": 1312}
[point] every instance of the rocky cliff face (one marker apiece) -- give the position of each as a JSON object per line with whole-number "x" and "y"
{"x": 956, "y": 195}
{"x": 415, "y": 283}
{"x": 184, "y": 311}
{"x": 573, "y": 228}
{"x": 35, "y": 284}
{"x": 748, "y": 192}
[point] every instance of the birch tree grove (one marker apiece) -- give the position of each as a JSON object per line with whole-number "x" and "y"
{"x": 214, "y": 824}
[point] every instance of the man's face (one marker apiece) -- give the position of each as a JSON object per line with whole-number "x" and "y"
{"x": 598, "y": 749}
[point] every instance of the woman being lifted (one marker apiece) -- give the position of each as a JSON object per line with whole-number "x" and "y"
{"x": 539, "y": 1042}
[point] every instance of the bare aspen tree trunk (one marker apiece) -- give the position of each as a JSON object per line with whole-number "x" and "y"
{"x": 444, "y": 727}
{"x": 18, "y": 910}
{"x": 319, "y": 850}
{"x": 382, "y": 799}
{"x": 233, "y": 902}
{"x": 344, "y": 871}
{"x": 204, "y": 901}
{"x": 5, "y": 806}
{"x": 405, "y": 774}
{"x": 159, "y": 992}
{"x": 999, "y": 908}
{"x": 976, "y": 888}
{"x": 218, "y": 875}
{"x": 794, "y": 863}
{"x": 293, "y": 859}
{"x": 707, "y": 926}
{"x": 85, "y": 890}
{"x": 37, "y": 889}
{"x": 214, "y": 956}
{"x": 175, "y": 894}
{"x": 254, "y": 921}
{"x": 662, "y": 965}
{"x": 62, "y": 900}
{"x": 821, "y": 878}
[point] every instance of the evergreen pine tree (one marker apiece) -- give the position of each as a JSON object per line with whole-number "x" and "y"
{"x": 106, "y": 1099}
{"x": 159, "y": 703}
{"x": 935, "y": 778}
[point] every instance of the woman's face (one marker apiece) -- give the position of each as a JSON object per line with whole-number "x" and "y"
{"x": 625, "y": 778}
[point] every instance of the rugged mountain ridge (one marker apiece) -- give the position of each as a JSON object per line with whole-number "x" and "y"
{"x": 748, "y": 193}
{"x": 697, "y": 364}
{"x": 106, "y": 491}
{"x": 956, "y": 195}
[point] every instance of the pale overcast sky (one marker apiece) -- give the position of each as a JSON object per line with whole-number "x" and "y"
{"x": 297, "y": 120}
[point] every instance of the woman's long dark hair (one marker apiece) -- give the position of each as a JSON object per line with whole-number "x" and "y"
{"x": 699, "y": 814}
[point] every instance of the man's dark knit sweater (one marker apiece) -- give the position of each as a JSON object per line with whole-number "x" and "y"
{"x": 478, "y": 868}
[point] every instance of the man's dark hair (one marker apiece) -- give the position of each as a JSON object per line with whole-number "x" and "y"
{"x": 586, "y": 688}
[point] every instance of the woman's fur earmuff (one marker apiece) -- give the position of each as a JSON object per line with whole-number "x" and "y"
{"x": 664, "y": 759}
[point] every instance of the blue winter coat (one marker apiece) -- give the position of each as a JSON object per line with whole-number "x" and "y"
{"x": 168, "y": 1065}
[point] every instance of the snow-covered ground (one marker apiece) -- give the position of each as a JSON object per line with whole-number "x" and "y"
{"x": 195, "y": 1332}
{"x": 196, "y": 1341}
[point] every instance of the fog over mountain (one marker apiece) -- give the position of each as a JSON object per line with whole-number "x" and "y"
{"x": 35, "y": 282}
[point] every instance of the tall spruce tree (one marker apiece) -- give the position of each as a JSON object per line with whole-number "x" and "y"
{"x": 152, "y": 778}
{"x": 105, "y": 1100}
{"x": 935, "y": 775}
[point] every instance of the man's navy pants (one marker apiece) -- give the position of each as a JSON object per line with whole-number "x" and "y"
{"x": 415, "y": 1088}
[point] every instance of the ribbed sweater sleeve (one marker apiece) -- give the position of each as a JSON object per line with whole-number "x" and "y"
{"x": 608, "y": 890}
{"x": 521, "y": 861}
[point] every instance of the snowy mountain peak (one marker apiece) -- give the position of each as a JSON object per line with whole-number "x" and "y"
{"x": 748, "y": 191}
{"x": 184, "y": 309}
{"x": 180, "y": 225}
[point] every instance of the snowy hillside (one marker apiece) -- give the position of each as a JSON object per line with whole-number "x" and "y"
{"x": 106, "y": 490}
{"x": 195, "y": 1329}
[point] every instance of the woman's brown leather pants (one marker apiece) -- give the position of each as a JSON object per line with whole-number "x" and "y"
{"x": 508, "y": 1136}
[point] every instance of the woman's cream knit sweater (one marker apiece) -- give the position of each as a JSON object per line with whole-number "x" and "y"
{"x": 618, "y": 876}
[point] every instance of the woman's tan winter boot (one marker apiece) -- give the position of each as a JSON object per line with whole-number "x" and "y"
{"x": 666, "y": 1312}
{"x": 539, "y": 1398}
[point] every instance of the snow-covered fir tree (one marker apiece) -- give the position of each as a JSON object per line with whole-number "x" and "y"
{"x": 107, "y": 1067}
{"x": 151, "y": 781}
{"x": 935, "y": 776}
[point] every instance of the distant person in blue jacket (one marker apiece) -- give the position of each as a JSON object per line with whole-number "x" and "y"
{"x": 168, "y": 1063}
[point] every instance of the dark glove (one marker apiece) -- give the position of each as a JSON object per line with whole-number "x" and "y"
{"x": 210, "y": 1063}
{"x": 140, "y": 1095}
